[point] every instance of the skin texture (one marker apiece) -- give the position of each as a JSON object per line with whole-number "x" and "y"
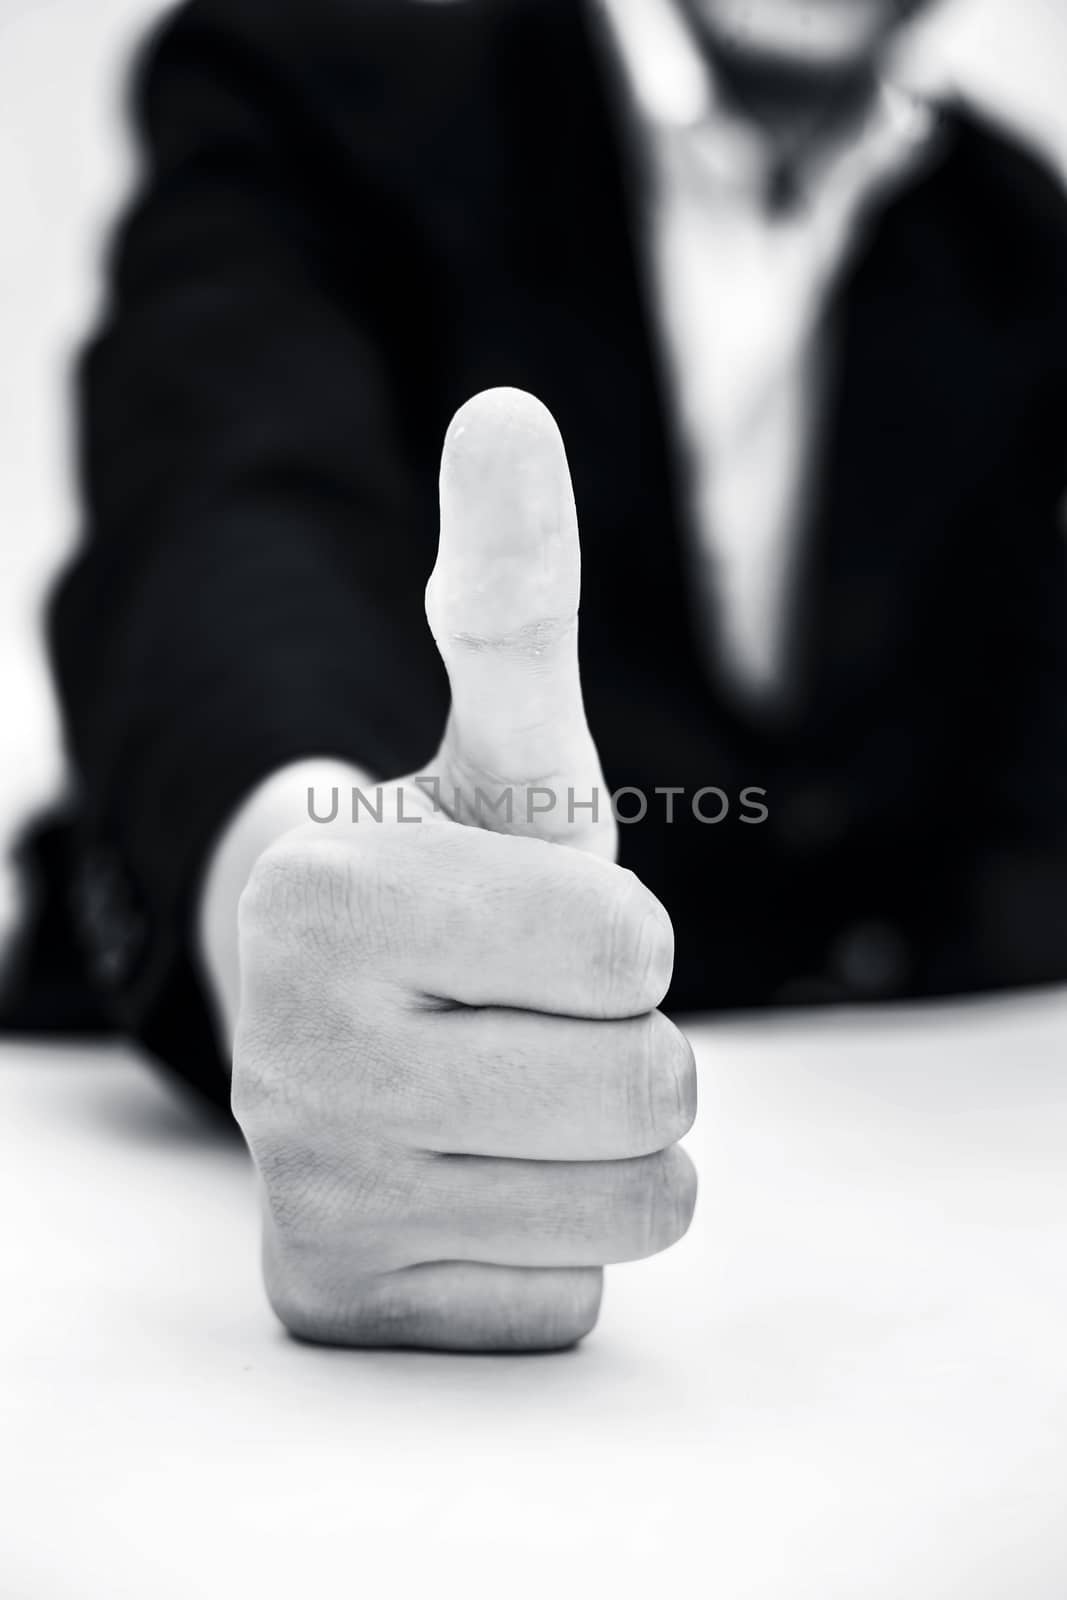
{"x": 448, "y": 1060}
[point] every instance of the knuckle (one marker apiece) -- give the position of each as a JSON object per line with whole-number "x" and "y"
{"x": 320, "y": 1313}
{"x": 386, "y": 878}
{"x": 294, "y": 1050}
{"x": 304, "y": 1301}
{"x": 371, "y": 883}
{"x": 314, "y": 911}
{"x": 291, "y": 1177}
{"x": 299, "y": 1284}
{"x": 318, "y": 1053}
{"x": 262, "y": 1082}
{"x": 346, "y": 1196}
{"x": 307, "y": 887}
{"x": 274, "y": 896}
{"x": 530, "y": 639}
{"x": 330, "y": 1240}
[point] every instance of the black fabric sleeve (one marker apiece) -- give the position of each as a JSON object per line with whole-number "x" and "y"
{"x": 1018, "y": 781}
{"x": 248, "y": 590}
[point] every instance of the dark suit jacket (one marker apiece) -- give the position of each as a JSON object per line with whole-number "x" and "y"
{"x": 357, "y": 213}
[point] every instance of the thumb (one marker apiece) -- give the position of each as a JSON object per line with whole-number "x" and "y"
{"x": 502, "y": 603}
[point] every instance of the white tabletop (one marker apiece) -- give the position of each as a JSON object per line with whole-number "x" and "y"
{"x": 849, "y": 1381}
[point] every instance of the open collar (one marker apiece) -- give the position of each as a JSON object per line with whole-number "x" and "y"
{"x": 672, "y": 88}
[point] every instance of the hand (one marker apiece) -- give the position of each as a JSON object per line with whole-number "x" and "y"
{"x": 448, "y": 1063}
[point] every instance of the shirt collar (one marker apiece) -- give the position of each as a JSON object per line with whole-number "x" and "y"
{"x": 668, "y": 77}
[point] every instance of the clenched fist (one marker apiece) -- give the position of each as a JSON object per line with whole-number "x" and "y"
{"x": 449, "y": 1066}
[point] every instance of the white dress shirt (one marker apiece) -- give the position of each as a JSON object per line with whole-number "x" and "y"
{"x": 738, "y": 288}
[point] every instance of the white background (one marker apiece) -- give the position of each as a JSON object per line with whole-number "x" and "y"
{"x": 65, "y": 165}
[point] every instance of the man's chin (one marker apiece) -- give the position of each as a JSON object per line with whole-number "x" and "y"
{"x": 816, "y": 38}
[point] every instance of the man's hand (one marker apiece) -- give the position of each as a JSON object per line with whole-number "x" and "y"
{"x": 448, "y": 1063}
